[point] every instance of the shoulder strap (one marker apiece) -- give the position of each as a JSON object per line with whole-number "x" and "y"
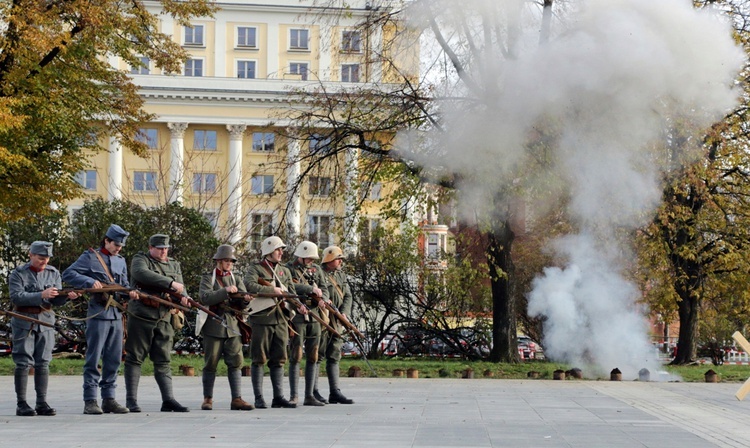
{"x": 335, "y": 285}
{"x": 104, "y": 265}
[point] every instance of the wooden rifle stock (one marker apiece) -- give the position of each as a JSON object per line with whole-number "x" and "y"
{"x": 195, "y": 304}
{"x": 350, "y": 328}
{"x": 27, "y": 318}
{"x": 107, "y": 288}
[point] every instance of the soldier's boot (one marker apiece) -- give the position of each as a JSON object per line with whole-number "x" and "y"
{"x": 256, "y": 376}
{"x": 277, "y": 381}
{"x": 91, "y": 407}
{"x": 209, "y": 378}
{"x": 293, "y": 382}
{"x": 310, "y": 399}
{"x": 132, "y": 378}
{"x": 163, "y": 377}
{"x": 41, "y": 380}
{"x": 335, "y": 396}
{"x": 111, "y": 406}
{"x": 316, "y": 393}
{"x": 21, "y": 380}
{"x": 235, "y": 388}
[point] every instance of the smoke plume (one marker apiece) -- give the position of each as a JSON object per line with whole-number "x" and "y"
{"x": 607, "y": 84}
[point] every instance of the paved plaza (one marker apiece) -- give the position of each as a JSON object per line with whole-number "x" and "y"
{"x": 401, "y": 412}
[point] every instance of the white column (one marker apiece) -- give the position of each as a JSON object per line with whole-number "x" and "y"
{"x": 176, "y": 162}
{"x": 114, "y": 188}
{"x": 221, "y": 32}
{"x": 234, "y": 181}
{"x": 351, "y": 215}
{"x": 293, "y": 219}
{"x": 272, "y": 51}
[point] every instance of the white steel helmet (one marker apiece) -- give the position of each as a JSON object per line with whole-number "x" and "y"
{"x": 332, "y": 253}
{"x": 307, "y": 249}
{"x": 270, "y": 244}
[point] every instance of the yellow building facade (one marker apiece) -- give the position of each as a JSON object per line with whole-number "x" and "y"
{"x": 212, "y": 143}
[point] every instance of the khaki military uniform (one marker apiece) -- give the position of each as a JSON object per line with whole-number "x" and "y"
{"x": 307, "y": 327}
{"x": 149, "y": 326}
{"x": 221, "y": 342}
{"x": 270, "y": 330}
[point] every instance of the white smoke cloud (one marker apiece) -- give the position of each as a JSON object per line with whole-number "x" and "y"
{"x": 607, "y": 84}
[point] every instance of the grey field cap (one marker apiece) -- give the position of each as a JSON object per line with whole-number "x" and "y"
{"x": 43, "y": 248}
{"x": 159, "y": 241}
{"x": 225, "y": 252}
{"x": 117, "y": 234}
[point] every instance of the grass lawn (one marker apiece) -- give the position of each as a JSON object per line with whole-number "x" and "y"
{"x": 426, "y": 368}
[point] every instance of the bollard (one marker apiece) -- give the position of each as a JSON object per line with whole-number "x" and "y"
{"x": 575, "y": 372}
{"x": 711, "y": 376}
{"x": 644, "y": 375}
{"x": 246, "y": 370}
{"x": 398, "y": 372}
{"x": 558, "y": 374}
{"x": 488, "y": 373}
{"x": 468, "y": 373}
{"x": 615, "y": 375}
{"x": 354, "y": 372}
{"x": 412, "y": 373}
{"x": 533, "y": 374}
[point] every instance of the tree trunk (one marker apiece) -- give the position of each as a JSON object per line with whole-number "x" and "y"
{"x": 688, "y": 311}
{"x": 505, "y": 345}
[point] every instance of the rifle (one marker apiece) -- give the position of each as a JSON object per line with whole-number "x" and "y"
{"x": 106, "y": 288}
{"x": 246, "y": 331}
{"x": 27, "y": 318}
{"x": 193, "y": 303}
{"x": 294, "y": 300}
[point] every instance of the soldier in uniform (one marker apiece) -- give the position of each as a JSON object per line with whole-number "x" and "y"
{"x": 308, "y": 280}
{"x": 150, "y": 331}
{"x": 220, "y": 342}
{"x": 341, "y": 297}
{"x": 104, "y": 330}
{"x": 33, "y": 291}
{"x": 270, "y": 326}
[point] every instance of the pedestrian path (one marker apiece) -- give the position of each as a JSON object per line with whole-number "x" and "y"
{"x": 401, "y": 412}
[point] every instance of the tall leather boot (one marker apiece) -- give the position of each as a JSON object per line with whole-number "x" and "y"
{"x": 41, "y": 380}
{"x": 21, "y": 381}
{"x": 310, "y": 399}
{"x": 209, "y": 378}
{"x": 235, "y": 388}
{"x": 293, "y": 382}
{"x": 277, "y": 381}
{"x": 256, "y": 376}
{"x": 132, "y": 378}
{"x": 163, "y": 377}
{"x": 335, "y": 395}
{"x": 316, "y": 393}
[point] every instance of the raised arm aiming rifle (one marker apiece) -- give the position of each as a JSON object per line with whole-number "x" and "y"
{"x": 193, "y": 303}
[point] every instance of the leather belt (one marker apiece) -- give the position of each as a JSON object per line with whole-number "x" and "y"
{"x": 31, "y": 309}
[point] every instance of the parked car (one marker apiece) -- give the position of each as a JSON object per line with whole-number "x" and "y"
{"x": 527, "y": 348}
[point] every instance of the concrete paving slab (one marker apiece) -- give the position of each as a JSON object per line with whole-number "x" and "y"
{"x": 400, "y": 412}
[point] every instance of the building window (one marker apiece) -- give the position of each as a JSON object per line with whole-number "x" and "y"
{"x": 194, "y": 67}
{"x": 204, "y": 140}
{"x": 435, "y": 245}
{"x": 194, "y": 35}
{"x": 212, "y": 217}
{"x": 350, "y": 73}
{"x": 319, "y": 229}
{"x": 261, "y": 228}
{"x": 246, "y": 69}
{"x": 204, "y": 182}
{"x": 320, "y": 186}
{"x": 375, "y": 191}
{"x": 298, "y": 39}
{"x": 320, "y": 143}
{"x": 299, "y": 68}
{"x": 87, "y": 179}
{"x": 142, "y": 68}
{"x": 369, "y": 230}
{"x": 149, "y": 136}
{"x": 351, "y": 41}
{"x": 144, "y": 181}
{"x": 246, "y": 37}
{"x": 262, "y": 185}
{"x": 263, "y": 141}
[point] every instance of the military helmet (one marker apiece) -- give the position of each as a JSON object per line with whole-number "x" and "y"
{"x": 270, "y": 244}
{"x": 225, "y": 252}
{"x": 332, "y": 253}
{"x": 307, "y": 249}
